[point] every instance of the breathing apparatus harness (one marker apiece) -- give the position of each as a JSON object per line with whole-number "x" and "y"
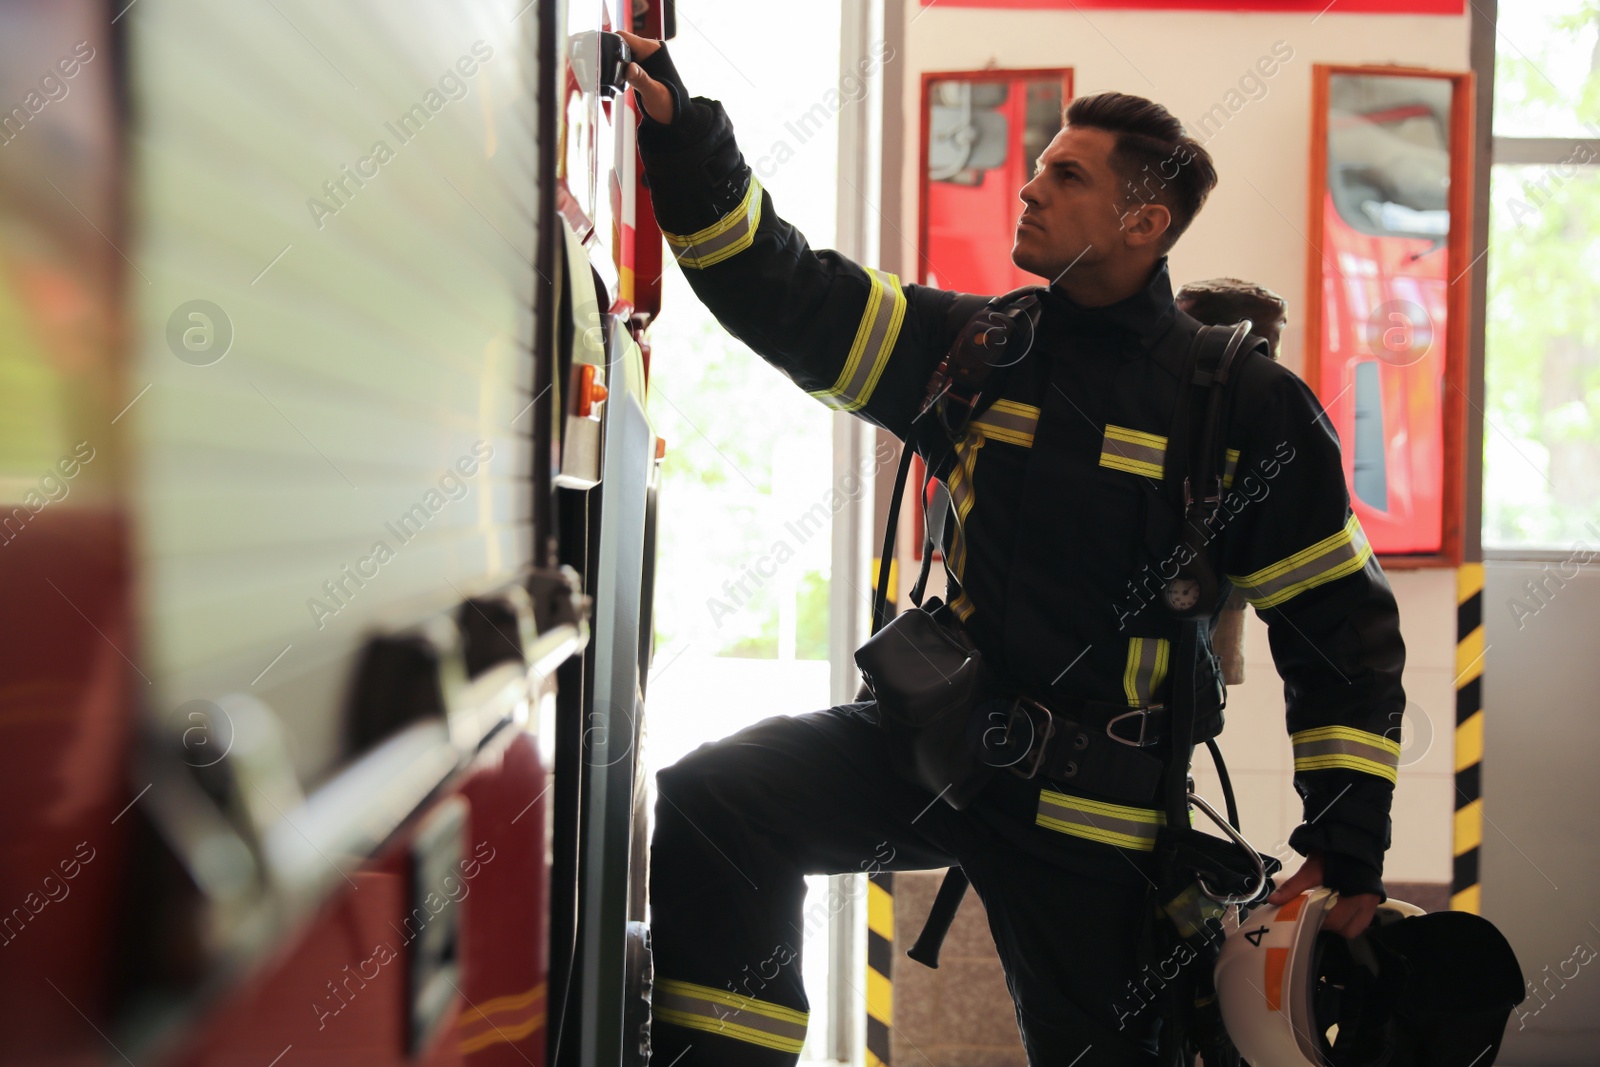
{"x": 1201, "y": 874}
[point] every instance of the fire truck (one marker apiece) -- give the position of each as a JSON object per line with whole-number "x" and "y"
{"x": 327, "y": 535}
{"x": 1386, "y": 318}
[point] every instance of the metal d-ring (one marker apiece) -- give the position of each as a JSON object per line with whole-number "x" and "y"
{"x": 1228, "y": 899}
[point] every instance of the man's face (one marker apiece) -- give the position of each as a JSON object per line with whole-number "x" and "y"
{"x": 1073, "y": 209}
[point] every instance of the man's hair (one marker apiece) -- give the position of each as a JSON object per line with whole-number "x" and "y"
{"x": 1155, "y": 158}
{"x": 1223, "y": 301}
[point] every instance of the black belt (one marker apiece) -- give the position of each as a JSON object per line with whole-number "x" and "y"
{"x": 1089, "y": 745}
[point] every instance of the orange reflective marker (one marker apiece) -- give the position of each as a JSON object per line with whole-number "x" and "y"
{"x": 590, "y": 391}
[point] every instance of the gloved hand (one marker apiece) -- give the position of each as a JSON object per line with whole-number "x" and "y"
{"x": 1350, "y": 916}
{"x": 660, "y": 99}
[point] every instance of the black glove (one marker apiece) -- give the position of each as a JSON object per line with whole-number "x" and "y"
{"x": 690, "y": 116}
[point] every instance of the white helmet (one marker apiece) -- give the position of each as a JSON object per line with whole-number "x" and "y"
{"x": 1266, "y": 979}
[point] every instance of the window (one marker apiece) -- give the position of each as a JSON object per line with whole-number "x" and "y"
{"x": 1542, "y": 319}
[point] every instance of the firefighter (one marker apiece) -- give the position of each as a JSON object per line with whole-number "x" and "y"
{"x": 1046, "y": 559}
{"x": 1223, "y": 301}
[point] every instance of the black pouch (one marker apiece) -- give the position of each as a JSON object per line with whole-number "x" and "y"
{"x": 921, "y": 666}
{"x": 927, "y": 678}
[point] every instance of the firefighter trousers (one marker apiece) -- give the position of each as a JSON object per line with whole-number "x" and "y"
{"x": 739, "y": 824}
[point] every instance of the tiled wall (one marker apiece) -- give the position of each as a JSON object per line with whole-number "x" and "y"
{"x": 959, "y": 1015}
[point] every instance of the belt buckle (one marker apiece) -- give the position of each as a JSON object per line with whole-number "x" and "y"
{"x": 1144, "y": 726}
{"x": 1041, "y": 740}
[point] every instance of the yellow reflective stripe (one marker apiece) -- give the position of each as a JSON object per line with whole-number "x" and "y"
{"x": 1008, "y": 421}
{"x": 1096, "y": 820}
{"x": 759, "y": 1022}
{"x": 1133, "y": 451}
{"x": 1149, "y": 659}
{"x": 874, "y": 341}
{"x": 723, "y": 239}
{"x": 1135, "y": 437}
{"x": 1341, "y": 761}
{"x": 1191, "y": 910}
{"x": 1346, "y": 748}
{"x": 1229, "y": 467}
{"x": 1333, "y": 557}
{"x": 963, "y": 496}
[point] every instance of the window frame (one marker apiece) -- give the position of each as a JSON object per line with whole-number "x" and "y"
{"x": 1492, "y": 151}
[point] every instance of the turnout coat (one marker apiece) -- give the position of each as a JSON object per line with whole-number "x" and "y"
{"x": 1048, "y": 553}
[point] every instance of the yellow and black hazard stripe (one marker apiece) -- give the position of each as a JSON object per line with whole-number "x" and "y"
{"x": 723, "y": 239}
{"x": 1465, "y": 891}
{"x": 880, "y": 966}
{"x": 729, "y": 1014}
{"x": 874, "y": 342}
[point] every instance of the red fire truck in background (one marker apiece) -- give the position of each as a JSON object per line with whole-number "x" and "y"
{"x": 982, "y": 132}
{"x": 327, "y": 533}
{"x": 1386, "y": 320}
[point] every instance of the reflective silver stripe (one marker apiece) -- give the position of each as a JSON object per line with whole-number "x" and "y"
{"x": 963, "y": 495}
{"x": 1008, "y": 421}
{"x": 1095, "y": 820}
{"x": 1133, "y": 451}
{"x": 719, "y": 1011}
{"x": 726, "y": 237}
{"x": 1347, "y": 748}
{"x": 1333, "y": 557}
{"x": 875, "y": 338}
{"x": 1229, "y": 467}
{"x": 1148, "y": 659}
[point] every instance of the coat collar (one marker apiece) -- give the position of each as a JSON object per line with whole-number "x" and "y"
{"x": 1141, "y": 318}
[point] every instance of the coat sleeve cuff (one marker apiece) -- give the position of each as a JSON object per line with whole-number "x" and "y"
{"x": 1349, "y": 876}
{"x": 1352, "y": 853}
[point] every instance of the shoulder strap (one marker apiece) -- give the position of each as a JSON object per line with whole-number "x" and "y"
{"x": 880, "y": 596}
{"x": 1212, "y": 372}
{"x": 998, "y": 335}
{"x": 964, "y": 377}
{"x": 1199, "y": 490}
{"x": 1192, "y": 482}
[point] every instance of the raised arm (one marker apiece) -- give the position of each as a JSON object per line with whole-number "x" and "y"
{"x": 857, "y": 339}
